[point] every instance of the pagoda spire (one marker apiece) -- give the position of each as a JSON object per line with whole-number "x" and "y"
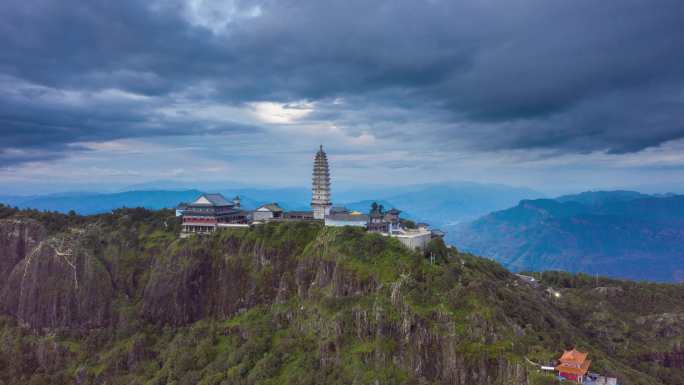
{"x": 320, "y": 187}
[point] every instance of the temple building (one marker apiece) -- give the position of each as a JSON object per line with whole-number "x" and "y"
{"x": 389, "y": 223}
{"x": 341, "y": 216}
{"x": 320, "y": 189}
{"x": 210, "y": 211}
{"x": 392, "y": 219}
{"x": 268, "y": 212}
{"x": 381, "y": 221}
{"x": 573, "y": 365}
{"x": 298, "y": 215}
{"x": 376, "y": 219}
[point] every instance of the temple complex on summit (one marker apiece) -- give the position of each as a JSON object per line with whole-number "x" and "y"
{"x": 212, "y": 211}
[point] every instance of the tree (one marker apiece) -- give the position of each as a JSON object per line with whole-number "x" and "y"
{"x": 437, "y": 250}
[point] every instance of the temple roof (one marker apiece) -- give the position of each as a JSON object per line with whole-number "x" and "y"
{"x": 573, "y": 362}
{"x": 215, "y": 199}
{"x": 574, "y": 356}
{"x": 273, "y": 207}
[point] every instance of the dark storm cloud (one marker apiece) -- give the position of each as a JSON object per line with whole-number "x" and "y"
{"x": 574, "y": 76}
{"x": 40, "y": 123}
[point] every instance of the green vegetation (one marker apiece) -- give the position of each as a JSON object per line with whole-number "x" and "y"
{"x": 297, "y": 303}
{"x": 409, "y": 224}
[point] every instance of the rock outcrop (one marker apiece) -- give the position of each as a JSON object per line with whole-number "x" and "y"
{"x": 18, "y": 238}
{"x": 673, "y": 359}
{"x": 54, "y": 282}
{"x": 192, "y": 281}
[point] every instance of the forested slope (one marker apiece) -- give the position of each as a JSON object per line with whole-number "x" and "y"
{"x": 119, "y": 299}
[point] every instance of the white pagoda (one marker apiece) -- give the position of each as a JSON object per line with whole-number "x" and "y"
{"x": 320, "y": 189}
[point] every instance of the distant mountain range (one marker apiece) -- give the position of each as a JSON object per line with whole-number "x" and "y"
{"x": 439, "y": 204}
{"x": 615, "y": 233}
{"x": 93, "y": 203}
{"x": 448, "y": 204}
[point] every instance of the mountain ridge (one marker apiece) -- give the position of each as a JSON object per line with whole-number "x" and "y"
{"x": 435, "y": 203}
{"x": 626, "y": 234}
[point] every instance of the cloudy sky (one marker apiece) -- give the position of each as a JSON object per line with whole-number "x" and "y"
{"x": 554, "y": 95}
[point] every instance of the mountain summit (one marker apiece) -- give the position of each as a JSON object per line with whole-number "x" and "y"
{"x": 120, "y": 299}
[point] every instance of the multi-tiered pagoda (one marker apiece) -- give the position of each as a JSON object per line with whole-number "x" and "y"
{"x": 320, "y": 189}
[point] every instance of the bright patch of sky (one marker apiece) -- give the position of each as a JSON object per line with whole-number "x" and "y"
{"x": 216, "y": 15}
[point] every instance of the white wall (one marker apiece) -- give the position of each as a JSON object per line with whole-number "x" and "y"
{"x": 262, "y": 215}
{"x": 333, "y": 223}
{"x": 413, "y": 241}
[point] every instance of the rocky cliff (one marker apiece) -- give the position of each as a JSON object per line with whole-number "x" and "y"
{"x": 119, "y": 299}
{"x": 53, "y": 282}
{"x": 17, "y": 239}
{"x": 197, "y": 282}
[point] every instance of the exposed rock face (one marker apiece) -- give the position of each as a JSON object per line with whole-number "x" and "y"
{"x": 674, "y": 359}
{"x": 178, "y": 288}
{"x": 192, "y": 283}
{"x": 55, "y": 283}
{"x": 17, "y": 239}
{"x": 609, "y": 291}
{"x": 428, "y": 348}
{"x": 668, "y": 325}
{"x": 189, "y": 284}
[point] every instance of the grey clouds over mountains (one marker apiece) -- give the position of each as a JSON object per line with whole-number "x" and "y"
{"x": 557, "y": 77}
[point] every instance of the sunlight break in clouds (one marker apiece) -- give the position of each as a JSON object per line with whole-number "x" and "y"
{"x": 277, "y": 113}
{"x": 216, "y": 15}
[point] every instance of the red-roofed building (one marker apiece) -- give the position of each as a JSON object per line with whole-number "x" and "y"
{"x": 573, "y": 365}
